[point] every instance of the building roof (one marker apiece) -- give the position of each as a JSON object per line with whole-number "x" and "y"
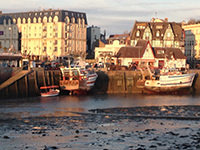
{"x": 133, "y": 52}
{"x": 48, "y": 13}
{"x": 118, "y": 36}
{"x": 155, "y": 27}
{"x": 130, "y": 52}
{"x": 161, "y": 52}
{"x": 6, "y": 18}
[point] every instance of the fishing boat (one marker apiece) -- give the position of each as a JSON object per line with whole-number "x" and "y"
{"x": 46, "y": 91}
{"x": 169, "y": 81}
{"x": 77, "y": 79}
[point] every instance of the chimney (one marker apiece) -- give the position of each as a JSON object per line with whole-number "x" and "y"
{"x": 166, "y": 19}
{"x": 153, "y": 19}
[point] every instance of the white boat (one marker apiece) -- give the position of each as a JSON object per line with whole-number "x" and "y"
{"x": 170, "y": 82}
{"x": 47, "y": 91}
{"x": 77, "y": 79}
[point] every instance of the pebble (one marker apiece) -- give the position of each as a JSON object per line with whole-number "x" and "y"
{"x": 6, "y": 137}
{"x": 50, "y": 147}
{"x": 77, "y": 131}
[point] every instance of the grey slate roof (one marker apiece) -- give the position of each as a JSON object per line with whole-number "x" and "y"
{"x": 61, "y": 15}
{"x": 2, "y": 18}
{"x": 176, "y": 28}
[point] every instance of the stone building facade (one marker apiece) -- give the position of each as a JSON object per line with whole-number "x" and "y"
{"x": 93, "y": 35}
{"x": 192, "y": 41}
{"x": 106, "y": 52}
{"x": 51, "y": 33}
{"x": 160, "y": 33}
{"x": 8, "y": 35}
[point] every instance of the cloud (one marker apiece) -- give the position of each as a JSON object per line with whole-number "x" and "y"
{"x": 113, "y": 15}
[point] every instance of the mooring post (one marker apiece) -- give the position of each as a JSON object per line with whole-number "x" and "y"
{"x": 48, "y": 80}
{"x": 36, "y": 81}
{"x": 26, "y": 84}
{"x": 16, "y": 88}
{"x": 44, "y": 80}
{"x": 52, "y": 77}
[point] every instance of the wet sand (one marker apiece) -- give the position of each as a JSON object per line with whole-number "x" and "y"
{"x": 137, "y": 128}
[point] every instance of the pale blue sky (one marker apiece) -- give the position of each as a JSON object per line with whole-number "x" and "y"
{"x": 114, "y": 16}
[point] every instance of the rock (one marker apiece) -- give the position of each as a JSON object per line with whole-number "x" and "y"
{"x": 77, "y": 131}
{"x": 6, "y": 137}
{"x": 172, "y": 133}
{"x": 186, "y": 145}
{"x": 140, "y": 148}
{"x": 153, "y": 146}
{"x": 50, "y": 147}
{"x": 184, "y": 136}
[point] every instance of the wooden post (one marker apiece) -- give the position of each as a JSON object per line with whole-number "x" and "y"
{"x": 26, "y": 85}
{"x": 16, "y": 88}
{"x": 48, "y": 80}
{"x": 36, "y": 82}
{"x": 52, "y": 77}
{"x": 7, "y": 91}
{"x": 44, "y": 80}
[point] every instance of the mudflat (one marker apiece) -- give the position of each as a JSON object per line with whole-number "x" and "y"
{"x": 136, "y": 128}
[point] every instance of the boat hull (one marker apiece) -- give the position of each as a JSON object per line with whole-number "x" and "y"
{"x": 77, "y": 79}
{"x": 170, "y": 83}
{"x": 49, "y": 94}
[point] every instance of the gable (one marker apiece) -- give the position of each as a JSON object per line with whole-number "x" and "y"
{"x": 147, "y": 34}
{"x": 148, "y": 53}
{"x": 169, "y": 35}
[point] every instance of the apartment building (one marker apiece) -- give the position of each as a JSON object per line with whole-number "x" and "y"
{"x": 8, "y": 35}
{"x": 50, "y": 34}
{"x": 192, "y": 41}
{"x": 160, "y": 33}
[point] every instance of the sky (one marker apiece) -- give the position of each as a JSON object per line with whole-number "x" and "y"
{"x": 114, "y": 16}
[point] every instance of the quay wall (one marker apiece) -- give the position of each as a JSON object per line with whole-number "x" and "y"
{"x": 30, "y": 84}
{"x": 112, "y": 82}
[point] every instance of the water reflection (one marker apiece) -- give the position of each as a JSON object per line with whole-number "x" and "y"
{"x": 64, "y": 105}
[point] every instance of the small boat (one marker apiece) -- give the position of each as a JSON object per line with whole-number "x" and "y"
{"x": 46, "y": 91}
{"x": 169, "y": 82}
{"x": 77, "y": 79}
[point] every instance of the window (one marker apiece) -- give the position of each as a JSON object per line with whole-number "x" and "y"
{"x": 157, "y": 33}
{"x": 56, "y": 42}
{"x": 65, "y": 49}
{"x": 168, "y": 34}
{"x": 138, "y": 33}
{"x": 55, "y": 49}
{"x": 45, "y": 49}
{"x": 160, "y": 52}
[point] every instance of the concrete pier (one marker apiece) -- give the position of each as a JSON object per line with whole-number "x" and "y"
{"x": 112, "y": 82}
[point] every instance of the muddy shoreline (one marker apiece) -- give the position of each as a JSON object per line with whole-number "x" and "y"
{"x": 105, "y": 129}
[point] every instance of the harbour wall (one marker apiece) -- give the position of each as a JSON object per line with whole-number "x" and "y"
{"x": 112, "y": 82}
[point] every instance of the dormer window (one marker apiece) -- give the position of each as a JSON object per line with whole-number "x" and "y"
{"x": 160, "y": 52}
{"x": 138, "y": 33}
{"x": 157, "y": 33}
